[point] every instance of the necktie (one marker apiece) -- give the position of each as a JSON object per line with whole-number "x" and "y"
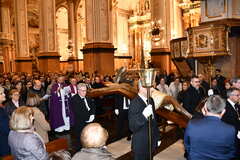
{"x": 237, "y": 110}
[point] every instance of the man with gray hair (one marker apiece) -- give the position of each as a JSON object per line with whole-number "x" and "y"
{"x": 209, "y": 137}
{"x": 235, "y": 82}
{"x": 139, "y": 111}
{"x": 83, "y": 110}
{"x": 232, "y": 115}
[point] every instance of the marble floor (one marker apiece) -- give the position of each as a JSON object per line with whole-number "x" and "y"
{"x": 171, "y": 147}
{"x": 173, "y": 152}
{"x": 121, "y": 149}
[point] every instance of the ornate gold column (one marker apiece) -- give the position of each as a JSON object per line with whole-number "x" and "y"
{"x": 6, "y": 37}
{"x": 48, "y": 57}
{"x": 23, "y": 60}
{"x": 99, "y": 50}
{"x": 72, "y": 43}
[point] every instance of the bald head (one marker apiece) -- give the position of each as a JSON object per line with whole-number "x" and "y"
{"x": 94, "y": 135}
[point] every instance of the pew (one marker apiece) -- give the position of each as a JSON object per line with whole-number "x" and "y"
{"x": 55, "y": 145}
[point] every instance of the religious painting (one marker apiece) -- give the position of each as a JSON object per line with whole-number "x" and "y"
{"x": 175, "y": 48}
{"x": 215, "y": 8}
{"x": 184, "y": 48}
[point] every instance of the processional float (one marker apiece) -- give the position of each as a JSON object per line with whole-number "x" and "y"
{"x": 176, "y": 113}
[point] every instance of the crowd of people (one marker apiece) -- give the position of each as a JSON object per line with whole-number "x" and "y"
{"x": 34, "y": 104}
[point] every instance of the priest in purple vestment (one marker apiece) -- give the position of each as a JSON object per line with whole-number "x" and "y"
{"x": 60, "y": 112}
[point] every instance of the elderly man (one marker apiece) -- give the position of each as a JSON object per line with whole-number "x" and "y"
{"x": 235, "y": 82}
{"x": 72, "y": 88}
{"x": 93, "y": 138}
{"x": 39, "y": 90}
{"x": 232, "y": 115}
{"x": 83, "y": 109}
{"x": 138, "y": 115}
{"x": 60, "y": 112}
{"x": 209, "y": 137}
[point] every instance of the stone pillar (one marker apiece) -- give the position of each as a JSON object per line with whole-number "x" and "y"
{"x": 48, "y": 57}
{"x": 160, "y": 49}
{"x": 23, "y": 60}
{"x": 72, "y": 22}
{"x": 170, "y": 24}
{"x": 98, "y": 51}
{"x": 6, "y": 37}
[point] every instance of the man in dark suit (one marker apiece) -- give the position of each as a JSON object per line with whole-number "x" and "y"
{"x": 220, "y": 79}
{"x": 193, "y": 95}
{"x": 83, "y": 109}
{"x": 209, "y": 137}
{"x": 138, "y": 115}
{"x": 38, "y": 89}
{"x": 232, "y": 116}
{"x": 121, "y": 110}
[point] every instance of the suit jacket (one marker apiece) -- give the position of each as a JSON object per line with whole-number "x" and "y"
{"x": 93, "y": 154}
{"x": 119, "y": 102}
{"x": 81, "y": 114}
{"x": 138, "y": 124}
{"x": 4, "y": 131}
{"x": 192, "y": 99}
{"x": 10, "y": 106}
{"x": 231, "y": 116}
{"x": 210, "y": 138}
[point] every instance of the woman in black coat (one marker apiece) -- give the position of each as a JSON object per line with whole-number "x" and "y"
{"x": 4, "y": 127}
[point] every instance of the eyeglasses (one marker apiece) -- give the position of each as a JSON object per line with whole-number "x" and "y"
{"x": 196, "y": 81}
{"x": 82, "y": 90}
{"x": 237, "y": 95}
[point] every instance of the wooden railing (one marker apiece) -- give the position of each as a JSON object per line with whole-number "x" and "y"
{"x": 55, "y": 145}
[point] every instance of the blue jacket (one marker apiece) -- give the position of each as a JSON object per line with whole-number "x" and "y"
{"x": 210, "y": 139}
{"x": 4, "y": 131}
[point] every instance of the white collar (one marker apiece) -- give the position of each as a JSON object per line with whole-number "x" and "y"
{"x": 82, "y": 97}
{"x": 231, "y": 102}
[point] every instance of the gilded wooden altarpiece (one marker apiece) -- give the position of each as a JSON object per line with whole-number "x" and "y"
{"x": 208, "y": 40}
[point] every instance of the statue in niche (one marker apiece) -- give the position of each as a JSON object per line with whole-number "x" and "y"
{"x": 147, "y": 5}
{"x": 34, "y": 49}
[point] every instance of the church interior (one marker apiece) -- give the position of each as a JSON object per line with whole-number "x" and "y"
{"x": 183, "y": 37}
{"x": 178, "y": 36}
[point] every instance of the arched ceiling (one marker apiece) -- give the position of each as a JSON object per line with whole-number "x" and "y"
{"x": 33, "y": 7}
